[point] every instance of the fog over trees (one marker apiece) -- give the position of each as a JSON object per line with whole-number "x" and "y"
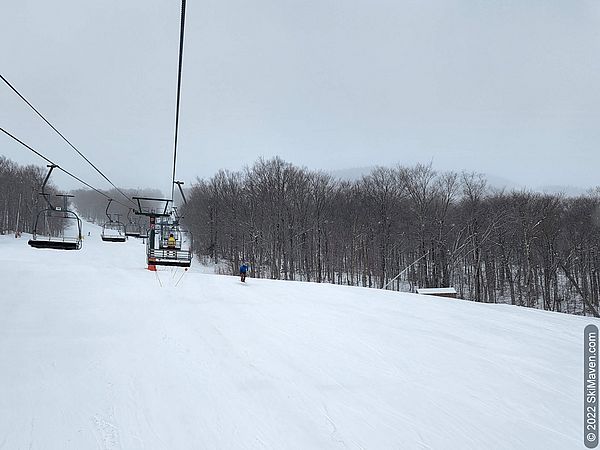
{"x": 91, "y": 206}
{"x": 396, "y": 228}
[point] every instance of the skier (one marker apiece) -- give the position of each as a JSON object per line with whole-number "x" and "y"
{"x": 171, "y": 241}
{"x": 243, "y": 270}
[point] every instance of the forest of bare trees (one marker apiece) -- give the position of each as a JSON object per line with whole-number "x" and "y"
{"x": 20, "y": 200}
{"x": 396, "y": 228}
{"x": 19, "y": 195}
{"x": 403, "y": 228}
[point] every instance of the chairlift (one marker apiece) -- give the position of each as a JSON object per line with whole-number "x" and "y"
{"x": 113, "y": 230}
{"x": 56, "y": 227}
{"x": 133, "y": 228}
{"x": 163, "y": 223}
{"x": 167, "y": 252}
{"x": 168, "y": 229}
{"x": 143, "y": 233}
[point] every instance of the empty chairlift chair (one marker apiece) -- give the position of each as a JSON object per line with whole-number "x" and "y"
{"x": 56, "y": 227}
{"x": 143, "y": 233}
{"x": 133, "y": 229}
{"x": 113, "y": 230}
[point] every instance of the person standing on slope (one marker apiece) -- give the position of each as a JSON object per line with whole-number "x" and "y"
{"x": 243, "y": 270}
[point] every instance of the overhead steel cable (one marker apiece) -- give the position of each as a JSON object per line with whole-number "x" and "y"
{"x": 60, "y": 168}
{"x": 181, "y": 39}
{"x": 64, "y": 138}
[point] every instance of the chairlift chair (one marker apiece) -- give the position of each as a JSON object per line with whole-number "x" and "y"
{"x": 113, "y": 230}
{"x": 162, "y": 224}
{"x": 180, "y": 254}
{"x": 166, "y": 230}
{"x": 132, "y": 229}
{"x": 56, "y": 227}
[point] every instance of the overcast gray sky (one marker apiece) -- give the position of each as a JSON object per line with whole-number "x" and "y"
{"x": 507, "y": 88}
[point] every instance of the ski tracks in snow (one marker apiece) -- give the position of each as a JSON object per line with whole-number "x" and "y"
{"x": 106, "y": 430}
{"x": 107, "y": 433}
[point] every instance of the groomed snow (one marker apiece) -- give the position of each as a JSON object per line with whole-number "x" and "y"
{"x": 95, "y": 354}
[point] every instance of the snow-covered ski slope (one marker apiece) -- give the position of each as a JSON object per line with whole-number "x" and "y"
{"x": 95, "y": 354}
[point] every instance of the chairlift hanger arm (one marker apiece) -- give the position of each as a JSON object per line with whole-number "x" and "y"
{"x": 179, "y": 183}
{"x": 43, "y": 193}
{"x": 51, "y": 167}
{"x": 108, "y": 206}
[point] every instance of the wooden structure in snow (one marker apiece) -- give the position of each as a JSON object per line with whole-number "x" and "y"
{"x": 439, "y": 292}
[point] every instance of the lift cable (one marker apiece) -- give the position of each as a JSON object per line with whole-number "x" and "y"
{"x": 60, "y": 168}
{"x": 181, "y": 39}
{"x": 64, "y": 138}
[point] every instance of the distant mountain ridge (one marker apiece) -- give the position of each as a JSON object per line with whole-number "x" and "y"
{"x": 493, "y": 181}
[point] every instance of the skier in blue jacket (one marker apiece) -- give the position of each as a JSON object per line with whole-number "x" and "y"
{"x": 243, "y": 270}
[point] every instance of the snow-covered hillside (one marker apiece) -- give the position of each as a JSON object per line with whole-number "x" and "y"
{"x": 95, "y": 353}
